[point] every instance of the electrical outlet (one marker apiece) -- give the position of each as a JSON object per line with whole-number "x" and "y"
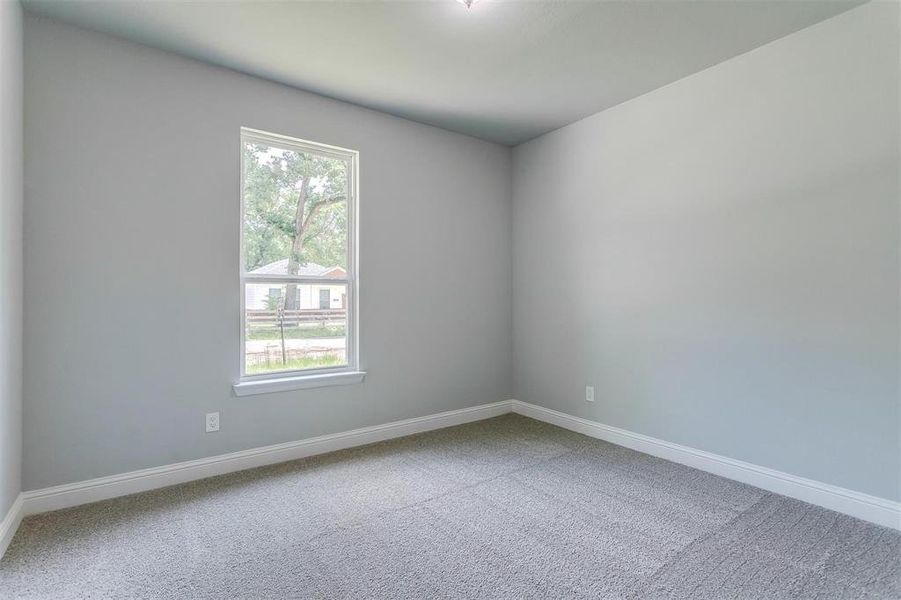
{"x": 212, "y": 422}
{"x": 589, "y": 393}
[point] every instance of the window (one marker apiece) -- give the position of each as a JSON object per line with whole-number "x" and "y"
{"x": 298, "y": 260}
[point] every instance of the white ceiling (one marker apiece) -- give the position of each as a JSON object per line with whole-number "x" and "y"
{"x": 505, "y": 71}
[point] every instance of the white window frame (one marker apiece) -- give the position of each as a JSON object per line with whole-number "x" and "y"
{"x": 305, "y": 378}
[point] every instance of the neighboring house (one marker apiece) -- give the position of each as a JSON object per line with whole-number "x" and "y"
{"x": 318, "y": 296}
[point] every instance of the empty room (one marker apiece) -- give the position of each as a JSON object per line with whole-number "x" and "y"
{"x": 458, "y": 299}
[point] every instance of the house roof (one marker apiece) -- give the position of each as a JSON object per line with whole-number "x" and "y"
{"x": 310, "y": 269}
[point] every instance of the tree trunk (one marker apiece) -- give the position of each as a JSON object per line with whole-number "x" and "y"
{"x": 296, "y": 245}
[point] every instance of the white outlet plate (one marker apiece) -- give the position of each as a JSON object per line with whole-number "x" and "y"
{"x": 589, "y": 393}
{"x": 212, "y": 422}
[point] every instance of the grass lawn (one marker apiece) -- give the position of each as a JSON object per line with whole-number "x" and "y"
{"x": 270, "y": 332}
{"x": 297, "y": 363}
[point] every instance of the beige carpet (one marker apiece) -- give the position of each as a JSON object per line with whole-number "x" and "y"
{"x": 504, "y": 508}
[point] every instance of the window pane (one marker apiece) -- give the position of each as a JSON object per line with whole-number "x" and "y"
{"x": 311, "y": 333}
{"x": 295, "y": 212}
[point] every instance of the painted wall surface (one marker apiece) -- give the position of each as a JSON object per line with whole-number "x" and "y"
{"x": 132, "y": 177}
{"x": 724, "y": 252}
{"x": 10, "y": 253}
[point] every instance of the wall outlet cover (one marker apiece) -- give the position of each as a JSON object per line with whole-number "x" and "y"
{"x": 212, "y": 422}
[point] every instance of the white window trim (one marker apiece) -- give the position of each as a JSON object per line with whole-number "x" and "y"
{"x": 307, "y": 378}
{"x": 304, "y": 382}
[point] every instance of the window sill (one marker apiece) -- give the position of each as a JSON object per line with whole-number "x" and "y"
{"x": 297, "y": 382}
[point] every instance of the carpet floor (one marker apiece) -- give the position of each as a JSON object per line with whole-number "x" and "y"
{"x": 503, "y": 508}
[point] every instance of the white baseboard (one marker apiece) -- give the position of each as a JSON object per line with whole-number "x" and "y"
{"x": 863, "y": 506}
{"x": 10, "y": 523}
{"x": 93, "y": 490}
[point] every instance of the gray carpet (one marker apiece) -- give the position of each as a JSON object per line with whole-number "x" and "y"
{"x": 504, "y": 508}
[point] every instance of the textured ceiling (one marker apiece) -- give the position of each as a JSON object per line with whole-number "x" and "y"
{"x": 501, "y": 71}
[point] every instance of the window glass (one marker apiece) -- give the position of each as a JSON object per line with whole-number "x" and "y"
{"x": 297, "y": 276}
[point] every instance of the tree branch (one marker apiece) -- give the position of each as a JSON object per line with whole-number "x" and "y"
{"x": 314, "y": 209}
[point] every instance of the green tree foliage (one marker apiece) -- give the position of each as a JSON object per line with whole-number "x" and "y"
{"x": 295, "y": 207}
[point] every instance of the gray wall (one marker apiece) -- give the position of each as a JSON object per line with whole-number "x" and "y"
{"x": 719, "y": 258}
{"x": 131, "y": 256}
{"x": 10, "y": 253}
